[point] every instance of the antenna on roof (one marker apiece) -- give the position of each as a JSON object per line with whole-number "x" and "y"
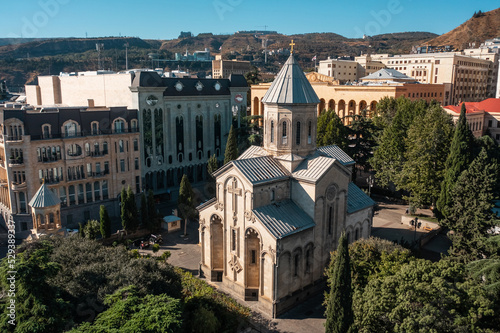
{"x": 99, "y": 47}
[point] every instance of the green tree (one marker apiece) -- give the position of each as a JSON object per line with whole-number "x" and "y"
{"x": 39, "y": 306}
{"x": 153, "y": 222}
{"x": 231, "y": 152}
{"x": 212, "y": 166}
{"x": 362, "y": 141}
{"x": 105, "y": 222}
{"x": 426, "y": 151}
{"x": 331, "y": 131}
{"x": 459, "y": 158}
{"x": 125, "y": 216}
{"x": 132, "y": 210}
{"x": 253, "y": 76}
{"x": 91, "y": 229}
{"x": 129, "y": 312}
{"x": 185, "y": 202}
{"x": 470, "y": 215}
{"x": 144, "y": 211}
{"x": 339, "y": 314}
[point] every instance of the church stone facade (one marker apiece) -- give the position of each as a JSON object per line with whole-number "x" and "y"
{"x": 279, "y": 210}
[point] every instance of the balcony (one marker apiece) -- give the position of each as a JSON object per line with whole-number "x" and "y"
{"x": 101, "y": 174}
{"x": 75, "y": 177}
{"x": 49, "y": 159}
{"x": 16, "y": 161}
{"x": 13, "y": 137}
{"x": 18, "y": 186}
{"x": 51, "y": 180}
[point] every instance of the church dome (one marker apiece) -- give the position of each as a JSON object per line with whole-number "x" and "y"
{"x": 291, "y": 86}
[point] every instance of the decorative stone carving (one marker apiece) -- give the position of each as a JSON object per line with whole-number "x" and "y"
{"x": 235, "y": 265}
{"x": 248, "y": 214}
{"x": 331, "y": 192}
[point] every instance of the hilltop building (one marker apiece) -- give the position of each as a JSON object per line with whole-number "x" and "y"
{"x": 222, "y": 69}
{"x": 341, "y": 70}
{"x": 83, "y": 156}
{"x": 280, "y": 209}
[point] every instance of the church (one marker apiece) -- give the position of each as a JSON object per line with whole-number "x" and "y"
{"x": 279, "y": 209}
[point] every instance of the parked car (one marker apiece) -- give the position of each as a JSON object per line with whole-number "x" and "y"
{"x": 144, "y": 244}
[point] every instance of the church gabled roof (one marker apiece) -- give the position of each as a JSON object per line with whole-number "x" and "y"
{"x": 357, "y": 199}
{"x": 313, "y": 168}
{"x": 291, "y": 86}
{"x": 44, "y": 197}
{"x": 283, "y": 218}
{"x": 335, "y": 152}
{"x": 253, "y": 151}
{"x": 260, "y": 169}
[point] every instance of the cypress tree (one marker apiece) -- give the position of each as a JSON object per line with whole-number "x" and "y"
{"x": 105, "y": 222}
{"x": 459, "y": 158}
{"x": 132, "y": 210}
{"x": 144, "y": 211}
{"x": 339, "y": 313}
{"x": 124, "y": 213}
{"x": 212, "y": 165}
{"x": 231, "y": 152}
{"x": 185, "y": 201}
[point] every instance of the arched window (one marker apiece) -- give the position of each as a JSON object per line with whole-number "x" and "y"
{"x": 297, "y": 138}
{"x": 330, "y": 220}
{"x": 46, "y": 131}
{"x": 70, "y": 129}
{"x": 119, "y": 126}
{"x": 95, "y": 128}
{"x": 133, "y": 124}
{"x": 87, "y": 149}
{"x": 272, "y": 130}
{"x": 296, "y": 265}
{"x": 284, "y": 138}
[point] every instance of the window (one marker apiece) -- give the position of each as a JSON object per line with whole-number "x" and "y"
{"x": 70, "y": 129}
{"x": 330, "y": 220}
{"x": 297, "y": 138}
{"x": 97, "y": 191}
{"x": 96, "y": 148}
{"x": 133, "y": 124}
{"x": 120, "y": 144}
{"x": 105, "y": 148}
{"x": 119, "y": 126}
{"x": 309, "y": 133}
{"x": 254, "y": 257}
{"x": 80, "y": 194}
{"x": 136, "y": 145}
{"x": 284, "y": 138}
{"x": 71, "y": 195}
{"x": 106, "y": 168}
{"x": 95, "y": 128}
{"x": 22, "y": 202}
{"x": 89, "y": 169}
{"x": 296, "y": 265}
{"x": 46, "y": 131}
{"x": 105, "y": 194}
{"x": 122, "y": 165}
{"x": 88, "y": 190}
{"x": 137, "y": 184}
{"x": 98, "y": 168}
{"x": 272, "y": 130}
{"x": 233, "y": 240}
{"x": 136, "y": 163}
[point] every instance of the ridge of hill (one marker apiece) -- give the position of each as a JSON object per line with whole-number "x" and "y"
{"x": 477, "y": 29}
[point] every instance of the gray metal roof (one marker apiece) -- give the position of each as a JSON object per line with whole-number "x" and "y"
{"x": 387, "y": 74}
{"x": 291, "y": 86}
{"x": 336, "y": 153}
{"x": 357, "y": 199}
{"x": 253, "y": 151}
{"x": 260, "y": 169}
{"x": 44, "y": 197}
{"x": 313, "y": 168}
{"x": 283, "y": 218}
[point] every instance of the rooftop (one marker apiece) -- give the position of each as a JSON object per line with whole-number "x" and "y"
{"x": 283, "y": 218}
{"x": 387, "y": 74}
{"x": 357, "y": 199}
{"x": 488, "y": 105}
{"x": 44, "y": 197}
{"x": 260, "y": 169}
{"x": 335, "y": 152}
{"x": 291, "y": 86}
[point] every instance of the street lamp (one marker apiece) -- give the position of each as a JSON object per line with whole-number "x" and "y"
{"x": 416, "y": 224}
{"x": 370, "y": 180}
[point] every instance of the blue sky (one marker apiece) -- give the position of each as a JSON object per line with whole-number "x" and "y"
{"x": 164, "y": 19}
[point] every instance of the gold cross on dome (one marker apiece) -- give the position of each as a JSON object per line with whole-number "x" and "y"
{"x": 292, "y": 45}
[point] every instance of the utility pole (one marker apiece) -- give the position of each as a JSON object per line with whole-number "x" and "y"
{"x": 99, "y": 47}
{"x": 126, "y": 56}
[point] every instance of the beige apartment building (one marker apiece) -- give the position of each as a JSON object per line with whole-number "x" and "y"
{"x": 353, "y": 99}
{"x": 84, "y": 156}
{"x": 470, "y": 76}
{"x": 341, "y": 70}
{"x": 222, "y": 69}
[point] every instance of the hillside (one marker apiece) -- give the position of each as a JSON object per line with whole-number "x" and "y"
{"x": 21, "y": 62}
{"x": 475, "y": 30}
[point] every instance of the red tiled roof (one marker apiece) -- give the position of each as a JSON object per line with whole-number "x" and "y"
{"x": 489, "y": 105}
